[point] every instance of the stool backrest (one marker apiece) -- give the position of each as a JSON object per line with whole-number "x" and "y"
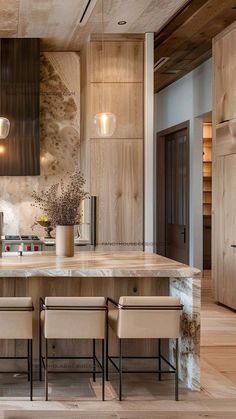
{"x": 75, "y": 317}
{"x": 16, "y": 318}
{"x": 149, "y": 317}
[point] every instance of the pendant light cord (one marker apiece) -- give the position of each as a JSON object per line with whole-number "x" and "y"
{"x": 103, "y": 56}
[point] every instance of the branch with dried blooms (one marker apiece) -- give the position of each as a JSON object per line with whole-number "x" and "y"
{"x": 62, "y": 201}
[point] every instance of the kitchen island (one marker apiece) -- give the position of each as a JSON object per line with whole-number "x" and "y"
{"x": 108, "y": 274}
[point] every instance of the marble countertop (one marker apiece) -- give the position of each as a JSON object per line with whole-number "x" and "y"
{"x": 94, "y": 264}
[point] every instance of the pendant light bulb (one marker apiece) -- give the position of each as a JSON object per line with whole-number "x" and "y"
{"x": 4, "y": 127}
{"x": 105, "y": 123}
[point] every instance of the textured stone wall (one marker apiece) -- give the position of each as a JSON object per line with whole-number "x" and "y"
{"x": 59, "y": 137}
{"x": 189, "y": 292}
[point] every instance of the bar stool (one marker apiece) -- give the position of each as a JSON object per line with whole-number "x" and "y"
{"x": 16, "y": 321}
{"x": 144, "y": 318}
{"x": 73, "y": 318}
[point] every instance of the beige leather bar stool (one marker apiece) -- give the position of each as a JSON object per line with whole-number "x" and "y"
{"x": 144, "y": 318}
{"x": 73, "y": 318}
{"x": 16, "y": 321}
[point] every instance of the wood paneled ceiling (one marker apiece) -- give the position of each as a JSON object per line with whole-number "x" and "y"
{"x": 56, "y": 22}
{"x": 186, "y": 41}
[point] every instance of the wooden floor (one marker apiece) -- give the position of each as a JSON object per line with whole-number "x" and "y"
{"x": 145, "y": 397}
{"x": 218, "y": 347}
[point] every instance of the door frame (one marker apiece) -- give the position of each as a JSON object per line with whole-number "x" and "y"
{"x": 159, "y": 188}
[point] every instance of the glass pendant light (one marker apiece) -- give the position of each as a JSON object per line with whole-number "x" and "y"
{"x": 4, "y": 127}
{"x": 105, "y": 122}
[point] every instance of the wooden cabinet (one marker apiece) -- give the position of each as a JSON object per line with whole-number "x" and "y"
{"x": 225, "y": 231}
{"x": 224, "y": 54}
{"x": 224, "y": 168}
{"x": 19, "y": 100}
{"x": 117, "y": 180}
{"x": 114, "y": 166}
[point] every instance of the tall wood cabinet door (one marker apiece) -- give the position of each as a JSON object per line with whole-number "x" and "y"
{"x": 227, "y": 283}
{"x": 224, "y": 53}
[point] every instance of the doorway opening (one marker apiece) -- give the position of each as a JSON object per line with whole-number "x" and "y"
{"x": 207, "y": 189}
{"x": 172, "y": 193}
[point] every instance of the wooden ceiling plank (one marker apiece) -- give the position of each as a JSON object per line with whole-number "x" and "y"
{"x": 194, "y": 25}
{"x": 156, "y": 14}
{"x": 141, "y": 16}
{"x": 198, "y": 40}
{"x": 48, "y": 19}
{"x": 187, "y": 11}
{"x": 192, "y": 48}
{"x": 9, "y": 17}
{"x": 161, "y": 80}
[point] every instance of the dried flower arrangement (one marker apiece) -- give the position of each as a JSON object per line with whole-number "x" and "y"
{"x": 61, "y": 201}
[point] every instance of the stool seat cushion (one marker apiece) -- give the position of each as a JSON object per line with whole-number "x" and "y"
{"x": 146, "y": 322}
{"x": 149, "y": 301}
{"x": 16, "y": 302}
{"x": 63, "y": 318}
{"x": 75, "y": 301}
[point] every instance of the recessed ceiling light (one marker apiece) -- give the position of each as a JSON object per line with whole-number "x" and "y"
{"x": 171, "y": 72}
{"x": 122, "y": 22}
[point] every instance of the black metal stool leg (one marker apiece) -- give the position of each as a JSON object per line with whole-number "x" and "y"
{"x": 31, "y": 367}
{"x": 159, "y": 359}
{"x": 103, "y": 370}
{"x": 107, "y": 352}
{"x": 40, "y": 349}
{"x": 120, "y": 369}
{"x": 94, "y": 360}
{"x": 28, "y": 359}
{"x": 176, "y": 369}
{"x": 46, "y": 369}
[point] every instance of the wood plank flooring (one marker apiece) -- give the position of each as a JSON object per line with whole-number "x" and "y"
{"x": 218, "y": 346}
{"x": 145, "y": 397}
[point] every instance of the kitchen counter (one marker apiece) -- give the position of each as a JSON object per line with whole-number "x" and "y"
{"x": 109, "y": 274}
{"x": 90, "y": 264}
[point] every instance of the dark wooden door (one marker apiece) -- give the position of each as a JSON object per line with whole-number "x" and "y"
{"x": 176, "y": 196}
{"x": 172, "y": 193}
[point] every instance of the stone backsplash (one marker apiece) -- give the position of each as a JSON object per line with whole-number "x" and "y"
{"x": 59, "y": 141}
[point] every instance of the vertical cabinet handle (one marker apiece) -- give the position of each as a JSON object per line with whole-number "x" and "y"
{"x": 184, "y": 234}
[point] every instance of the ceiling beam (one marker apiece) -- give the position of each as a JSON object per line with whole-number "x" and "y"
{"x": 187, "y": 39}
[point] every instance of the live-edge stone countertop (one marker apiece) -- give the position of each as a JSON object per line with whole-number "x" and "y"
{"x": 94, "y": 264}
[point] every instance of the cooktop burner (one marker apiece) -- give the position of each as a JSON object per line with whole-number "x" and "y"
{"x": 12, "y": 237}
{"x": 29, "y": 238}
{"x": 22, "y": 238}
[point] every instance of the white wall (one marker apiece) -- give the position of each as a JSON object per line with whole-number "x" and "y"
{"x": 186, "y": 100}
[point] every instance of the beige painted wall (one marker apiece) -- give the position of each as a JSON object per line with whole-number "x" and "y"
{"x": 59, "y": 138}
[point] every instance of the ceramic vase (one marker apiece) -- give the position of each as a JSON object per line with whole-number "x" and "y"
{"x": 65, "y": 241}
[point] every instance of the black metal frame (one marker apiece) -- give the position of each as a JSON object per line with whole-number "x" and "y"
{"x": 160, "y": 357}
{"x": 29, "y": 356}
{"x": 43, "y": 360}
